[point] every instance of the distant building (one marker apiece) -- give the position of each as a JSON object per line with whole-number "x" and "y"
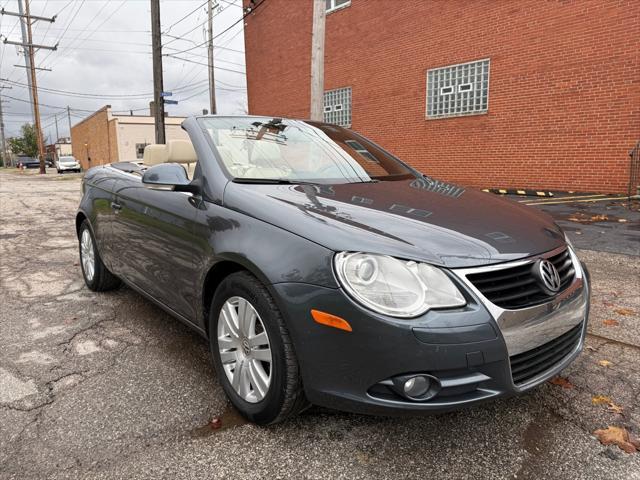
{"x": 61, "y": 148}
{"x": 484, "y": 93}
{"x": 103, "y": 137}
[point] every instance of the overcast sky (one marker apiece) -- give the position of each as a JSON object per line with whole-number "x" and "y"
{"x": 104, "y": 53}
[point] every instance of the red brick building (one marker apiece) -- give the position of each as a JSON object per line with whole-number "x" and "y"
{"x": 519, "y": 93}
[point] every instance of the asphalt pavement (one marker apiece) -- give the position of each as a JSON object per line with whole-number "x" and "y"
{"x": 109, "y": 386}
{"x": 606, "y": 223}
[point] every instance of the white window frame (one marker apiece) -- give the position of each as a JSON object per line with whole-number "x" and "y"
{"x": 335, "y": 7}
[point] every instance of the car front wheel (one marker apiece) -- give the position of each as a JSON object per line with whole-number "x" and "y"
{"x": 96, "y": 275}
{"x": 253, "y": 353}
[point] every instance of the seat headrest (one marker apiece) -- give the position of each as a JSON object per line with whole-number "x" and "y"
{"x": 180, "y": 151}
{"x": 154, "y": 154}
{"x": 266, "y": 154}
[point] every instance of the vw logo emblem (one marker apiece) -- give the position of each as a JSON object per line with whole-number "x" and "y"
{"x": 246, "y": 348}
{"x": 549, "y": 276}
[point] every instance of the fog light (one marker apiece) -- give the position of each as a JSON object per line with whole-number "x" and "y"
{"x": 416, "y": 387}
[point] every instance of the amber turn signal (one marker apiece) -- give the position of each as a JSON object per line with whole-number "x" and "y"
{"x": 330, "y": 320}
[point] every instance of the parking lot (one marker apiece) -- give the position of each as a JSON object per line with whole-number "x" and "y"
{"x": 109, "y": 386}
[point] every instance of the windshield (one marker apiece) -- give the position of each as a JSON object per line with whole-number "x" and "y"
{"x": 67, "y": 160}
{"x": 294, "y": 150}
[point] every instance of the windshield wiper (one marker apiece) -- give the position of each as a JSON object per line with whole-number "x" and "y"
{"x": 272, "y": 181}
{"x": 287, "y": 181}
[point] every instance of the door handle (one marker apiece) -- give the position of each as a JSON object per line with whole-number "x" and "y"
{"x": 116, "y": 206}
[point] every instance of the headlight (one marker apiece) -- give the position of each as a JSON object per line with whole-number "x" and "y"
{"x": 395, "y": 287}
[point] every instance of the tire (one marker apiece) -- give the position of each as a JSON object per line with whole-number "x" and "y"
{"x": 284, "y": 396}
{"x": 98, "y": 278}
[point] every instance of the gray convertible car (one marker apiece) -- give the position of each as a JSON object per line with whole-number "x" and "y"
{"x": 323, "y": 270}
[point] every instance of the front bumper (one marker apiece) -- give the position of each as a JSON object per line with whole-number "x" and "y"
{"x": 467, "y": 349}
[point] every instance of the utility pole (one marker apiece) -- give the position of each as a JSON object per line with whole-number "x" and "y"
{"x": 156, "y": 46}
{"x": 317, "y": 60}
{"x": 3, "y": 143}
{"x": 57, "y": 134}
{"x": 34, "y": 90}
{"x": 27, "y": 60}
{"x": 27, "y": 18}
{"x": 212, "y": 79}
{"x": 69, "y": 118}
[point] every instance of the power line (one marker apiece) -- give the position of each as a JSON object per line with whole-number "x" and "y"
{"x": 72, "y": 41}
{"x": 200, "y": 63}
{"x": 132, "y": 96}
{"x": 184, "y": 18}
{"x": 105, "y": 20}
{"x": 45, "y": 105}
{"x": 187, "y": 40}
{"x": 222, "y": 33}
{"x": 58, "y": 13}
{"x": 64, "y": 32}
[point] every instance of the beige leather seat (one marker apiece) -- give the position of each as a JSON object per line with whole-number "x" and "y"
{"x": 175, "y": 151}
{"x": 154, "y": 154}
{"x": 267, "y": 162}
{"x": 182, "y": 152}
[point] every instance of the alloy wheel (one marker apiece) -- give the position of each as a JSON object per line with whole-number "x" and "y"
{"x": 245, "y": 352}
{"x": 87, "y": 255}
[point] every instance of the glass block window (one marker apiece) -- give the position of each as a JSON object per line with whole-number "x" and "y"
{"x": 458, "y": 90}
{"x": 361, "y": 150}
{"x": 335, "y": 4}
{"x": 337, "y": 106}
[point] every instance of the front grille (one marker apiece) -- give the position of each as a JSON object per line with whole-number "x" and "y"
{"x": 527, "y": 365}
{"x": 517, "y": 287}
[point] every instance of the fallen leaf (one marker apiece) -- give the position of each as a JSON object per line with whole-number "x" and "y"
{"x": 616, "y": 436}
{"x": 578, "y": 232}
{"x": 599, "y": 218}
{"x": 600, "y": 400}
{"x": 622, "y": 220}
{"x": 610, "y": 322}
{"x": 605, "y": 363}
{"x": 561, "y": 382}
{"x": 612, "y": 407}
{"x": 589, "y": 347}
{"x": 215, "y": 423}
{"x": 624, "y": 311}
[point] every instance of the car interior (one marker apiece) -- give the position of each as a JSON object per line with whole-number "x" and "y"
{"x": 175, "y": 151}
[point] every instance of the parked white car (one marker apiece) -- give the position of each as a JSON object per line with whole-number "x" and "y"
{"x": 67, "y": 164}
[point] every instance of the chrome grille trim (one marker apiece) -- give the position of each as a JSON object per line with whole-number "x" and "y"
{"x": 527, "y": 328}
{"x": 527, "y": 366}
{"x": 516, "y": 286}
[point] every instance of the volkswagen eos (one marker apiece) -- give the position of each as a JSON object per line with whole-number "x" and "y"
{"x": 323, "y": 270}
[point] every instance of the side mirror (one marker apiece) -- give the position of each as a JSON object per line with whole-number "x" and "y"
{"x": 169, "y": 176}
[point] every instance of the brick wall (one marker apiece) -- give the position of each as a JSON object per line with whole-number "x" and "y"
{"x": 95, "y": 137}
{"x": 564, "y": 96}
{"x": 106, "y": 138}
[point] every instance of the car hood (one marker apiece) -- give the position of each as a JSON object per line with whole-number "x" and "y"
{"x": 419, "y": 219}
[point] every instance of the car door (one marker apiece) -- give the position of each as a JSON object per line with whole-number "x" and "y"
{"x": 98, "y": 200}
{"x": 153, "y": 233}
